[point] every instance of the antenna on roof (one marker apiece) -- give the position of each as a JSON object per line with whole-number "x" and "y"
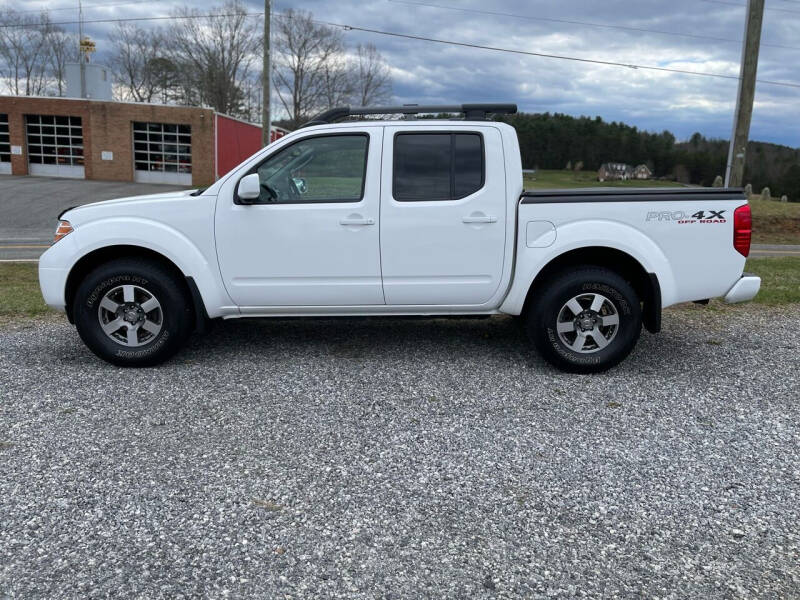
{"x": 471, "y": 112}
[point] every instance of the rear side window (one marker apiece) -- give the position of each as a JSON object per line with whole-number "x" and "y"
{"x": 437, "y": 166}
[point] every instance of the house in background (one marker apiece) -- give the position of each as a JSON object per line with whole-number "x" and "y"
{"x": 642, "y": 172}
{"x": 614, "y": 172}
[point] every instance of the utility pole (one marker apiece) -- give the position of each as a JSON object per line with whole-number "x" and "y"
{"x": 266, "y": 121}
{"x": 734, "y": 172}
{"x": 81, "y": 53}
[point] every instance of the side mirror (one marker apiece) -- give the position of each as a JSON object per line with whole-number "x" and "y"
{"x": 249, "y": 188}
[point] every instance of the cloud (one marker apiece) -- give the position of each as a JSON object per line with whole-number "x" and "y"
{"x": 430, "y": 72}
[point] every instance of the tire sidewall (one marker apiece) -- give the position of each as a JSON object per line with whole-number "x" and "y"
{"x": 174, "y": 308}
{"x": 542, "y": 325}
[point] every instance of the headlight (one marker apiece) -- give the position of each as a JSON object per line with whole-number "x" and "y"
{"x": 64, "y": 228}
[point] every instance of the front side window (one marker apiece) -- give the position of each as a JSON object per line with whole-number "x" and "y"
{"x": 437, "y": 166}
{"x": 314, "y": 170}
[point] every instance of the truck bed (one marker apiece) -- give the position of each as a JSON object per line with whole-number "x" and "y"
{"x": 608, "y": 194}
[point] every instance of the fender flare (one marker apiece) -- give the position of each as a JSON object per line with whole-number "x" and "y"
{"x": 583, "y": 235}
{"x": 165, "y": 241}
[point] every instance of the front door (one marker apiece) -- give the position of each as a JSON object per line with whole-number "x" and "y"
{"x": 312, "y": 238}
{"x": 443, "y": 215}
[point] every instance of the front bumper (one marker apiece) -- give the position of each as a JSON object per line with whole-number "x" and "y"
{"x": 52, "y": 281}
{"x": 745, "y": 289}
{"x": 54, "y": 267}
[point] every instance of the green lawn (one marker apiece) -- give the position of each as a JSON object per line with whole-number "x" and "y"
{"x": 20, "y": 295}
{"x": 775, "y": 222}
{"x": 19, "y": 291}
{"x": 780, "y": 279}
{"x": 549, "y": 180}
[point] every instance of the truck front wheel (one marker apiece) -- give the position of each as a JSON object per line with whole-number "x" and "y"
{"x": 133, "y": 312}
{"x": 585, "y": 320}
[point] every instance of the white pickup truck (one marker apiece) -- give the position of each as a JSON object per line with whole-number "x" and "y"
{"x": 395, "y": 217}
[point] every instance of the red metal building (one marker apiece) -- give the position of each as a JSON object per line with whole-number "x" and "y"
{"x": 235, "y": 140}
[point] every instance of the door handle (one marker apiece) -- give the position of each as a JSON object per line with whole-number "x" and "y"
{"x": 356, "y": 221}
{"x": 479, "y": 219}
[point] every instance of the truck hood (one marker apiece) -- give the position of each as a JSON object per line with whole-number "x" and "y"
{"x": 126, "y": 204}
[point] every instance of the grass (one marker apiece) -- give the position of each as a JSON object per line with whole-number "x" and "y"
{"x": 19, "y": 292}
{"x": 20, "y": 295}
{"x": 774, "y": 222}
{"x": 780, "y": 279}
{"x": 550, "y": 180}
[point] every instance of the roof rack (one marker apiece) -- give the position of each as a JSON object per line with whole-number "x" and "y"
{"x": 472, "y": 112}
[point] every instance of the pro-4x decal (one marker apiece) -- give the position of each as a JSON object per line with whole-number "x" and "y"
{"x": 681, "y": 217}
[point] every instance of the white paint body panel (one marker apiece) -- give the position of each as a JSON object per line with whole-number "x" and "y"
{"x": 301, "y": 254}
{"x": 418, "y": 258}
{"x": 429, "y": 254}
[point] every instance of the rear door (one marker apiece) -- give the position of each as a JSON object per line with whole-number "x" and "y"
{"x": 443, "y": 214}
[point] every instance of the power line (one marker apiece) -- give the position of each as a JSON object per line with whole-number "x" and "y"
{"x": 433, "y": 40}
{"x": 783, "y": 10}
{"x": 584, "y": 23}
{"x": 554, "y": 56}
{"x": 99, "y": 5}
{"x": 130, "y": 19}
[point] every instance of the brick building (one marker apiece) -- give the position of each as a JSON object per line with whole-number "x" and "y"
{"x": 120, "y": 141}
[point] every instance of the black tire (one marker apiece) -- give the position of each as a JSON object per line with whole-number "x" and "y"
{"x": 549, "y": 311}
{"x": 145, "y": 279}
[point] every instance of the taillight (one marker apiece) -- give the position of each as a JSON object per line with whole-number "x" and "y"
{"x": 63, "y": 229}
{"x": 742, "y": 229}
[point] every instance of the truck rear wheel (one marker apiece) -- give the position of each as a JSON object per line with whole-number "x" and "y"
{"x": 585, "y": 321}
{"x": 133, "y": 312}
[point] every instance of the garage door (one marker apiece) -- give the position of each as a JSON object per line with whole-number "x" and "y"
{"x": 5, "y": 146}
{"x": 162, "y": 153}
{"x": 55, "y": 145}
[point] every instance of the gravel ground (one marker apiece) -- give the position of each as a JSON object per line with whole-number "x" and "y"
{"x": 404, "y": 459}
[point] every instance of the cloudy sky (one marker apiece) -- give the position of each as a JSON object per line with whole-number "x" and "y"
{"x": 437, "y": 73}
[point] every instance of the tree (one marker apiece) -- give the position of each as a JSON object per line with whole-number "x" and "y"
{"x": 62, "y": 48}
{"x": 790, "y": 182}
{"x": 373, "y": 83}
{"x": 337, "y": 83}
{"x": 303, "y": 52}
{"x": 164, "y": 79}
{"x": 134, "y": 59}
{"x": 23, "y": 50}
{"x": 214, "y": 54}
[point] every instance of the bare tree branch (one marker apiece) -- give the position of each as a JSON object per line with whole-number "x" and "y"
{"x": 373, "y": 83}
{"x": 215, "y": 54}
{"x": 307, "y": 75}
{"x": 62, "y": 48}
{"x": 23, "y": 49}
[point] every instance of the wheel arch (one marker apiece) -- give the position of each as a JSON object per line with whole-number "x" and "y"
{"x": 646, "y": 284}
{"x": 99, "y": 256}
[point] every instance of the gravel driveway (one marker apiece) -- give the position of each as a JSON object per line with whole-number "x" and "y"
{"x": 404, "y": 459}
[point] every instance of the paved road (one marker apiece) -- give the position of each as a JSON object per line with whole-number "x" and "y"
{"x": 29, "y": 207}
{"x": 404, "y": 459}
{"x": 763, "y": 250}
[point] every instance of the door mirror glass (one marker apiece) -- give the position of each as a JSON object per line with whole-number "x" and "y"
{"x": 300, "y": 184}
{"x": 249, "y": 187}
